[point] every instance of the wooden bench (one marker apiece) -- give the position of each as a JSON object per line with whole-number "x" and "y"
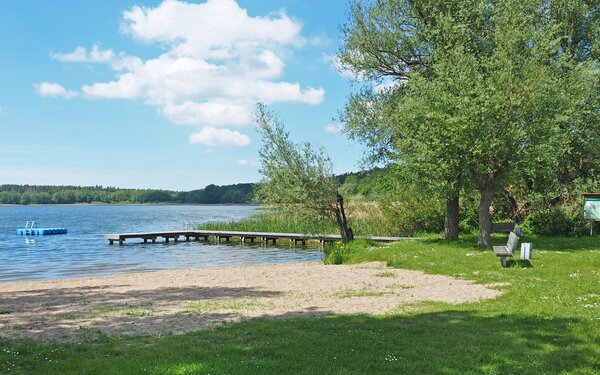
{"x": 507, "y": 251}
{"x": 502, "y": 227}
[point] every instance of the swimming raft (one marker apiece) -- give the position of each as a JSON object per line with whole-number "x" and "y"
{"x": 32, "y": 230}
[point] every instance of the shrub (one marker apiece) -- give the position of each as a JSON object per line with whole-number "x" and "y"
{"x": 409, "y": 212}
{"x": 340, "y": 252}
{"x": 556, "y": 221}
{"x": 336, "y": 253}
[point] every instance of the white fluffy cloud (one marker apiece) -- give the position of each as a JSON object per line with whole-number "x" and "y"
{"x": 54, "y": 90}
{"x": 218, "y": 61}
{"x": 210, "y": 136}
{"x": 334, "y": 128}
{"x": 81, "y": 55}
{"x": 337, "y": 66}
{"x": 216, "y": 112}
{"x": 213, "y": 29}
{"x": 243, "y": 162}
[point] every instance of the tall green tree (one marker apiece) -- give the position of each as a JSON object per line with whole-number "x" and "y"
{"x": 390, "y": 42}
{"x": 498, "y": 96}
{"x": 297, "y": 179}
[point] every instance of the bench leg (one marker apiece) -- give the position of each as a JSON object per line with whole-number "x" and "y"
{"x": 503, "y": 261}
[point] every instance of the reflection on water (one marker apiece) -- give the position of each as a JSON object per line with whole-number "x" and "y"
{"x": 85, "y": 252}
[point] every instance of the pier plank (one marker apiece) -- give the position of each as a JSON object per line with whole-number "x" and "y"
{"x": 227, "y": 235}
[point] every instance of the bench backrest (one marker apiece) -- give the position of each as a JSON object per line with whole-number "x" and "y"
{"x": 502, "y": 227}
{"x": 513, "y": 239}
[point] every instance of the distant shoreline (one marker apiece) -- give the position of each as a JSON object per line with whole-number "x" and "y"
{"x": 128, "y": 204}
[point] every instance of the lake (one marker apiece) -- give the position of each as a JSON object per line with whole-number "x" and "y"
{"x": 85, "y": 252}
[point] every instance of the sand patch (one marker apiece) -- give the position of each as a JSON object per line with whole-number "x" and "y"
{"x": 177, "y": 301}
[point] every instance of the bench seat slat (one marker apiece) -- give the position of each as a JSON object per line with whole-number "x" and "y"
{"x": 502, "y": 251}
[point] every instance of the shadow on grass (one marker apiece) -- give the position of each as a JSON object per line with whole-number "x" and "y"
{"x": 446, "y": 342}
{"x": 519, "y": 263}
{"x": 50, "y": 313}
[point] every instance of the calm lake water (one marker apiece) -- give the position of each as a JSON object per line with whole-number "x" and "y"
{"x": 85, "y": 252}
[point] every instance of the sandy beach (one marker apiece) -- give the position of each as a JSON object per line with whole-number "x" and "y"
{"x": 178, "y": 301}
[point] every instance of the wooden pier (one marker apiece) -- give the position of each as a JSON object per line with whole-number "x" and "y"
{"x": 266, "y": 237}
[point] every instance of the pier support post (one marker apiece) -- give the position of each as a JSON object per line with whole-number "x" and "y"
{"x": 110, "y": 242}
{"x": 153, "y": 239}
{"x": 121, "y": 242}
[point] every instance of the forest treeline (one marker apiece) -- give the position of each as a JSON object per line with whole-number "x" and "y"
{"x": 36, "y": 194}
{"x": 355, "y": 183}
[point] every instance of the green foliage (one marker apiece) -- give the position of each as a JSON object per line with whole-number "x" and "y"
{"x": 556, "y": 221}
{"x": 336, "y": 253}
{"x": 362, "y": 185}
{"x": 366, "y": 217}
{"x": 560, "y": 213}
{"x": 409, "y": 209}
{"x": 34, "y": 194}
{"x": 413, "y": 212}
{"x": 469, "y": 220}
{"x": 340, "y": 252}
{"x": 297, "y": 180}
{"x": 273, "y": 222}
{"x": 399, "y": 207}
{"x": 385, "y": 39}
{"x": 490, "y": 93}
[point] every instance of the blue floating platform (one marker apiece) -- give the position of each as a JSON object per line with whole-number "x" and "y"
{"x": 41, "y": 231}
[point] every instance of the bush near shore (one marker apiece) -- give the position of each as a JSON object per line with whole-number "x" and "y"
{"x": 366, "y": 218}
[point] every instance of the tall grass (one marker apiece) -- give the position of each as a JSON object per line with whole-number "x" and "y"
{"x": 365, "y": 220}
{"x": 272, "y": 222}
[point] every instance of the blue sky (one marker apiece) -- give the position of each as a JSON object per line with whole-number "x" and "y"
{"x": 159, "y": 94}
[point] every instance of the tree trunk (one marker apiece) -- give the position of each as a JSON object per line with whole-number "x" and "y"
{"x": 485, "y": 221}
{"x": 451, "y": 219}
{"x": 340, "y": 217}
{"x": 512, "y": 202}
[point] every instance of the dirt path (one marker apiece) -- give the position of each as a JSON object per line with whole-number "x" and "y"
{"x": 177, "y": 301}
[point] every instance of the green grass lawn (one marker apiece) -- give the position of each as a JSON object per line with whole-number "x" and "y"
{"x": 546, "y": 322}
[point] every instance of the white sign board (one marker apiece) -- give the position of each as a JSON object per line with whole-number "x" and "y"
{"x": 591, "y": 208}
